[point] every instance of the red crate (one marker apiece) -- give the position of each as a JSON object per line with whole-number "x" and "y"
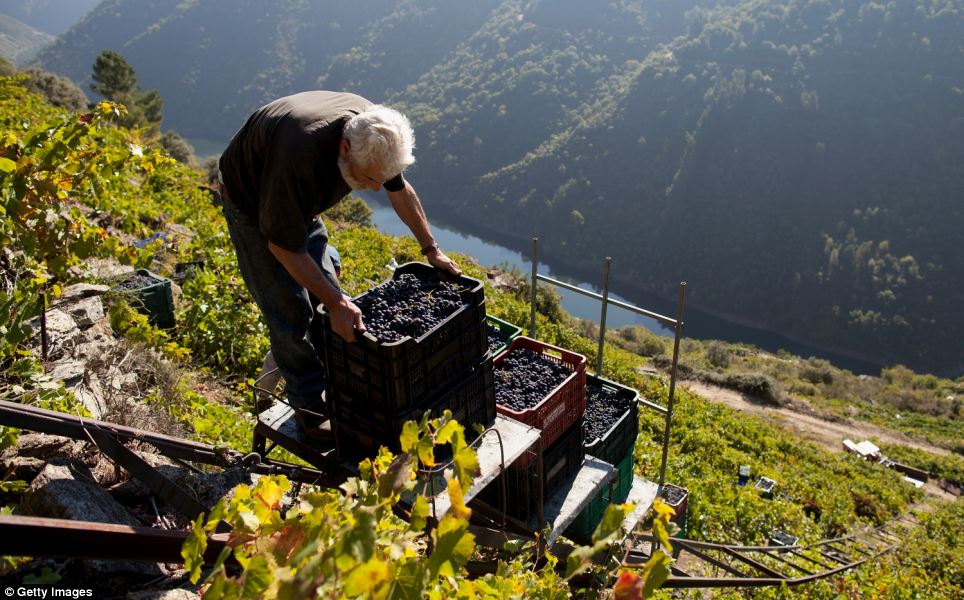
{"x": 564, "y": 405}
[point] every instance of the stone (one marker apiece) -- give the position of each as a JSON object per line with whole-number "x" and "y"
{"x": 86, "y": 312}
{"x": 22, "y": 468}
{"x": 44, "y": 446}
{"x": 95, "y": 349}
{"x": 65, "y": 489}
{"x": 92, "y": 402}
{"x": 61, "y": 329}
{"x": 71, "y": 372}
{"x": 83, "y": 290}
{"x": 103, "y": 268}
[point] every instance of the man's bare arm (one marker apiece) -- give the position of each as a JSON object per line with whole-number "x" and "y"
{"x": 346, "y": 318}
{"x": 409, "y": 209}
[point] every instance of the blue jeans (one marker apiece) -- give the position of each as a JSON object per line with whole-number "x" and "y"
{"x": 286, "y": 306}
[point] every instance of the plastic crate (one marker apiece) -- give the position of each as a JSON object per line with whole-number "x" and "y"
{"x": 359, "y": 433}
{"x": 766, "y": 485}
{"x": 153, "y": 299}
{"x": 563, "y": 405}
{"x": 621, "y": 437}
{"x": 678, "y": 503}
{"x": 398, "y": 376}
{"x": 582, "y": 528}
{"x": 561, "y": 461}
{"x": 506, "y": 329}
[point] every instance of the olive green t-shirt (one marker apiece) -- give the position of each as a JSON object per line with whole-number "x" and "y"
{"x": 281, "y": 167}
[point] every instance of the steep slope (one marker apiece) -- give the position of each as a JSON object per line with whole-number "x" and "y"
{"x": 52, "y": 17}
{"x": 19, "y": 41}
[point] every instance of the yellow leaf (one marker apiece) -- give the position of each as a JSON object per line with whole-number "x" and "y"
{"x": 366, "y": 578}
{"x": 459, "y": 509}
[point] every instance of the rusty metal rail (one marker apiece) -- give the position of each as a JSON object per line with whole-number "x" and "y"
{"x": 21, "y": 416}
{"x": 36, "y": 536}
{"x": 710, "y": 565}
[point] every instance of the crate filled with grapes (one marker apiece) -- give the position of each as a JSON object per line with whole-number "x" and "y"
{"x": 540, "y": 385}
{"x": 612, "y": 419}
{"x": 471, "y": 399}
{"x": 423, "y": 329}
{"x": 500, "y": 334}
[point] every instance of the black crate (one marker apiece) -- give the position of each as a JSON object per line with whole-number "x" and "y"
{"x": 397, "y": 376}
{"x": 359, "y": 432}
{"x": 562, "y": 460}
{"x": 621, "y": 437}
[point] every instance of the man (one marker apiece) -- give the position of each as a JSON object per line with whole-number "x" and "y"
{"x": 293, "y": 159}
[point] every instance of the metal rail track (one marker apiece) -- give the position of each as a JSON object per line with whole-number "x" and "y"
{"x": 711, "y": 565}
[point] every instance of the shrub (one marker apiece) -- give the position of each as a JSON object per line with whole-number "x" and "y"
{"x": 57, "y": 89}
{"x": 717, "y": 354}
{"x": 350, "y": 211}
{"x": 178, "y": 148}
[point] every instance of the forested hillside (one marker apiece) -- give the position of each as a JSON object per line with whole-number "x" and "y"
{"x": 796, "y": 161}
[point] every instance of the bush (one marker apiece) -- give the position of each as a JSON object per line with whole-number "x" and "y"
{"x": 58, "y": 90}
{"x": 178, "y": 148}
{"x": 817, "y": 371}
{"x": 717, "y": 354}
{"x": 350, "y": 211}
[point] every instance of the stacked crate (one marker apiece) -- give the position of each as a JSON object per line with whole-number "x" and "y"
{"x": 374, "y": 387}
{"x": 559, "y": 417}
{"x": 614, "y": 447}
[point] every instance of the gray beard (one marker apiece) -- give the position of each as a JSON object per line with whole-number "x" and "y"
{"x": 343, "y": 167}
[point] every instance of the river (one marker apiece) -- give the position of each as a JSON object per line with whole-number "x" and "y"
{"x": 696, "y": 323}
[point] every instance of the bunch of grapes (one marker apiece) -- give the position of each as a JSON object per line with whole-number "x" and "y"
{"x": 497, "y": 339}
{"x": 524, "y": 378}
{"x": 604, "y": 406}
{"x": 408, "y": 306}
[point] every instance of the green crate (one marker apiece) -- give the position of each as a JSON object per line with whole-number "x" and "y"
{"x": 151, "y": 295}
{"x": 621, "y": 437}
{"x": 507, "y": 329}
{"x": 581, "y": 530}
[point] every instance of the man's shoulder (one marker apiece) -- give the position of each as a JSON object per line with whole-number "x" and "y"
{"x": 321, "y": 105}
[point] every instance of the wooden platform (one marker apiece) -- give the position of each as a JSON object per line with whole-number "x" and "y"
{"x": 572, "y": 497}
{"x": 642, "y": 494}
{"x": 279, "y": 425}
{"x": 502, "y": 444}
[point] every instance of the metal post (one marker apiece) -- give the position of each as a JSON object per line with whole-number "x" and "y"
{"x": 672, "y": 384}
{"x": 532, "y": 292}
{"x": 44, "y": 339}
{"x": 602, "y": 318}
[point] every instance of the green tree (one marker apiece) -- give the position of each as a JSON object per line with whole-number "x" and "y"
{"x": 115, "y": 80}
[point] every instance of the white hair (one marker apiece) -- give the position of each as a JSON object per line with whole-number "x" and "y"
{"x": 383, "y": 136}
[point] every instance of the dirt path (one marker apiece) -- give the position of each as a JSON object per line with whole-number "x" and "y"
{"x": 828, "y": 434}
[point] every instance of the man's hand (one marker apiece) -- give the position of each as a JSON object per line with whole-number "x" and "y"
{"x": 346, "y": 319}
{"x": 437, "y": 259}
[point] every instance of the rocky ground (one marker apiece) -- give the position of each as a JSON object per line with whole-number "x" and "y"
{"x": 71, "y": 479}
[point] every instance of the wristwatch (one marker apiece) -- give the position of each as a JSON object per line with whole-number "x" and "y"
{"x": 433, "y": 247}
